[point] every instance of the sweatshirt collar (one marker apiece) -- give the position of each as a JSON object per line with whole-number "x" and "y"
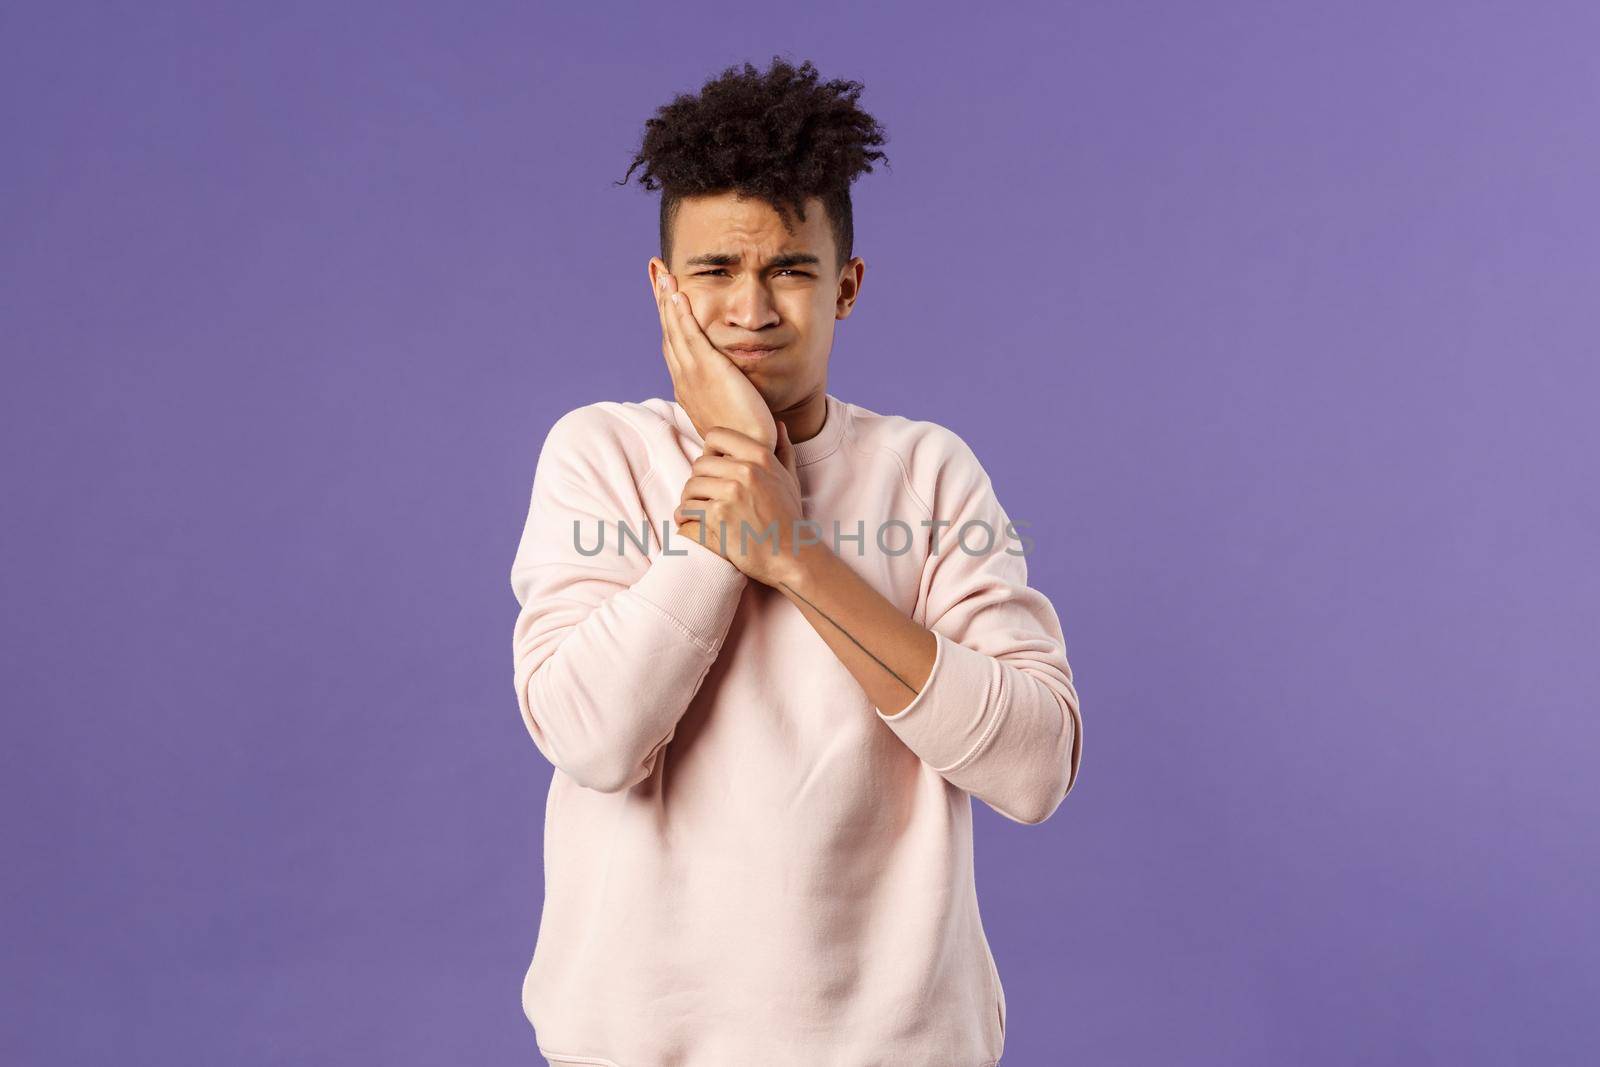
{"x": 827, "y": 439}
{"x": 824, "y": 444}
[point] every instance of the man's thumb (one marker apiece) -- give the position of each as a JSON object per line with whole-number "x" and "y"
{"x": 785, "y": 449}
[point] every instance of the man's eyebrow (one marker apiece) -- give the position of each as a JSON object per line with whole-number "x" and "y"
{"x": 733, "y": 259}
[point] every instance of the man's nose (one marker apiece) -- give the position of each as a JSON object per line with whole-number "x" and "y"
{"x": 750, "y": 305}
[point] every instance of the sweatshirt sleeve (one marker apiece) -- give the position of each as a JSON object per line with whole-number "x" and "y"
{"x": 609, "y": 647}
{"x": 999, "y": 715}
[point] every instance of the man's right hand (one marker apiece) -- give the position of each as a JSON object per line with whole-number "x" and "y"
{"x": 707, "y": 384}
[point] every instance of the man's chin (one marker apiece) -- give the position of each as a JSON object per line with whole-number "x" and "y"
{"x": 751, "y": 370}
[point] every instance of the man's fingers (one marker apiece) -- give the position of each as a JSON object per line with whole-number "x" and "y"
{"x": 727, "y": 441}
{"x": 672, "y": 315}
{"x": 673, "y": 366}
{"x": 674, "y": 355}
{"x": 690, "y": 340}
{"x": 682, "y": 329}
{"x": 672, "y": 328}
{"x": 694, "y": 511}
{"x": 717, "y": 466}
{"x": 707, "y": 487}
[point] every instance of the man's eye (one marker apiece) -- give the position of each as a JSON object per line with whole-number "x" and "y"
{"x": 720, "y": 270}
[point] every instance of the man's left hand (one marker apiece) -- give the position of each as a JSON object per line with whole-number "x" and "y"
{"x": 741, "y": 485}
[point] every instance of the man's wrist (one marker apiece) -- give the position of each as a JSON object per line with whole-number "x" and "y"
{"x": 804, "y": 567}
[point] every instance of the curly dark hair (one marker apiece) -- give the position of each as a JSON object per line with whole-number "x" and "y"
{"x": 780, "y": 136}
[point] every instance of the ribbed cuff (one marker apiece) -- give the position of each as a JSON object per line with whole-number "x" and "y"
{"x": 945, "y": 724}
{"x": 1077, "y": 744}
{"x": 695, "y": 586}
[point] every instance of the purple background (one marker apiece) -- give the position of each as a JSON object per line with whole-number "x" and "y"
{"x": 1278, "y": 322}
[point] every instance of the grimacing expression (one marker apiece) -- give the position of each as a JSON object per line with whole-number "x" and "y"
{"x": 751, "y": 282}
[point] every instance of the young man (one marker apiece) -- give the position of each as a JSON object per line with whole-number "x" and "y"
{"x": 758, "y": 837}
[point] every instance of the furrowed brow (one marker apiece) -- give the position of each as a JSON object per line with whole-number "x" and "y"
{"x": 733, "y": 259}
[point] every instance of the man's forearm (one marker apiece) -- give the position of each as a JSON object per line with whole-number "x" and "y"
{"x": 887, "y": 653}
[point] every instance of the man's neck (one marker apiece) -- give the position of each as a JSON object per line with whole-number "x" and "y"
{"x": 804, "y": 420}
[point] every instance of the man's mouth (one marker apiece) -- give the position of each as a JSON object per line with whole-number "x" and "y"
{"x": 751, "y": 353}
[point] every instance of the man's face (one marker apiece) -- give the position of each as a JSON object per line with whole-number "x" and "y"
{"x": 751, "y": 282}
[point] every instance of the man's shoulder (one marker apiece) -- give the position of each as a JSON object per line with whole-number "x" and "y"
{"x": 927, "y": 448}
{"x": 615, "y": 418}
{"x": 609, "y": 435}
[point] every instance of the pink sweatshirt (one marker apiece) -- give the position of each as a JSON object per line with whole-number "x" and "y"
{"x": 746, "y": 862}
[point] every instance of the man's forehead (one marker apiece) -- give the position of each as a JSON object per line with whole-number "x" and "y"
{"x": 724, "y": 225}
{"x": 725, "y": 230}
